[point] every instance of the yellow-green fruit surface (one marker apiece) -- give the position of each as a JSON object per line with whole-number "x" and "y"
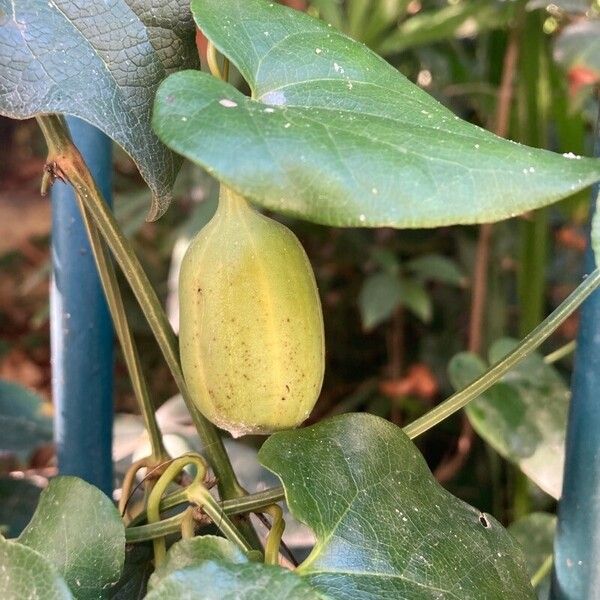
{"x": 250, "y": 322}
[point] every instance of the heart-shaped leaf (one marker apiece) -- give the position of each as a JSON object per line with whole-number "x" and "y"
{"x": 216, "y": 580}
{"x": 102, "y": 62}
{"x": 25, "y": 573}
{"x": 336, "y": 135}
{"x": 79, "y": 530}
{"x": 524, "y": 416}
{"x": 385, "y": 528}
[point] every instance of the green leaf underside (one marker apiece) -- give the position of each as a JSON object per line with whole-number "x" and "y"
{"x": 385, "y": 528}
{"x": 524, "y": 416}
{"x": 101, "y": 62}
{"x": 217, "y": 580}
{"x": 337, "y": 136}
{"x": 27, "y": 574}
{"x": 78, "y": 529}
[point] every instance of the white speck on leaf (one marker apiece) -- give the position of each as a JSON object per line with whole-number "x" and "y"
{"x": 227, "y": 103}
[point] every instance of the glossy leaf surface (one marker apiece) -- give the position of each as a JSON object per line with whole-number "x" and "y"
{"x": 335, "y": 135}
{"x": 25, "y": 573}
{"x": 216, "y": 580}
{"x": 385, "y": 528}
{"x": 79, "y": 530}
{"x": 102, "y": 62}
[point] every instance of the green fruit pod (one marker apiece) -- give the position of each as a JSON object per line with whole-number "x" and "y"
{"x": 250, "y": 322}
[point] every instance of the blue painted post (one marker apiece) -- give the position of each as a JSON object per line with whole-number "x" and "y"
{"x": 81, "y": 329}
{"x": 577, "y": 545}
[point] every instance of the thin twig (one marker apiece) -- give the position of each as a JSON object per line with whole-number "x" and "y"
{"x": 450, "y": 466}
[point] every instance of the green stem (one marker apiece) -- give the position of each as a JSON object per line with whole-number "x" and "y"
{"x": 253, "y": 502}
{"x": 119, "y": 317}
{"x": 236, "y": 506}
{"x": 544, "y": 570}
{"x": 274, "y": 537}
{"x": 532, "y": 270}
{"x": 201, "y": 496}
{"x": 528, "y": 345}
{"x": 533, "y": 76}
{"x": 67, "y": 162}
{"x": 153, "y": 506}
{"x": 521, "y": 501}
{"x": 188, "y": 524}
{"x": 560, "y": 353}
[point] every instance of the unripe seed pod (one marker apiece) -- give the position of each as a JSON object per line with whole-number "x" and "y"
{"x": 251, "y": 325}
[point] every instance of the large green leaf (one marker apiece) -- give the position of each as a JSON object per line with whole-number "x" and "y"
{"x": 194, "y": 551}
{"x": 24, "y": 573}
{"x": 102, "y": 62}
{"x": 336, "y": 135}
{"x": 79, "y": 530}
{"x": 24, "y": 420}
{"x": 535, "y": 532}
{"x": 385, "y": 528}
{"x": 216, "y": 580}
{"x": 524, "y": 416}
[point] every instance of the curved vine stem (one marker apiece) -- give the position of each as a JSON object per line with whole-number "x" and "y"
{"x": 560, "y": 353}
{"x": 213, "y": 63}
{"x": 114, "y": 300}
{"x": 128, "y": 482}
{"x": 274, "y": 535}
{"x": 153, "y": 508}
{"x": 200, "y": 496}
{"x": 195, "y": 493}
{"x": 65, "y": 162}
{"x": 543, "y": 571}
{"x": 188, "y": 524}
{"x": 529, "y": 343}
{"x": 237, "y": 506}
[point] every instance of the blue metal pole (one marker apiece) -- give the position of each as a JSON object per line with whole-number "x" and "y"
{"x": 576, "y": 573}
{"x": 81, "y": 329}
